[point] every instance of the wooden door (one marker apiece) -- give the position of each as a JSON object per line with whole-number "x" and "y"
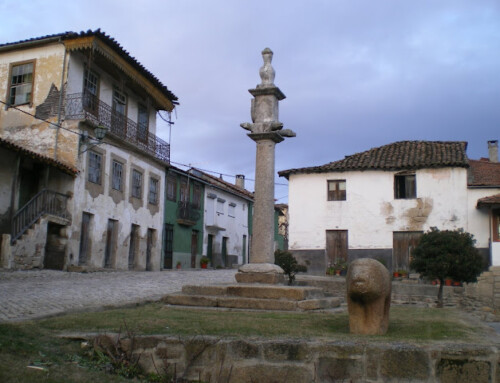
{"x": 224, "y": 251}
{"x": 149, "y": 249}
{"x": 134, "y": 243}
{"x": 336, "y": 245}
{"x": 210, "y": 247}
{"x": 194, "y": 247}
{"x": 168, "y": 246}
{"x": 110, "y": 243}
{"x": 84, "y": 239}
{"x": 402, "y": 246}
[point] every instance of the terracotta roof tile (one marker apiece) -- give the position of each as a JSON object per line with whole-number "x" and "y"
{"x": 491, "y": 200}
{"x": 106, "y": 39}
{"x": 225, "y": 185}
{"x": 484, "y": 173}
{"x": 58, "y": 164}
{"x": 402, "y": 155}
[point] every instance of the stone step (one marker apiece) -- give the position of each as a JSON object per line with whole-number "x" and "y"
{"x": 294, "y": 293}
{"x": 250, "y": 303}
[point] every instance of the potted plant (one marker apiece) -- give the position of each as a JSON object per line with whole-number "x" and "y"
{"x": 395, "y": 274}
{"x": 204, "y": 262}
{"x": 403, "y": 273}
{"x": 178, "y": 265}
{"x": 330, "y": 270}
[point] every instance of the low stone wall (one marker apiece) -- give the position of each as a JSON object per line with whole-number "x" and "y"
{"x": 481, "y": 298}
{"x": 212, "y": 359}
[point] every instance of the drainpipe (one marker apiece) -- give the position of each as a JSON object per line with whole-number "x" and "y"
{"x": 61, "y": 94}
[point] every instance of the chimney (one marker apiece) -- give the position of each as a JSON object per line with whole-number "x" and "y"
{"x": 493, "y": 150}
{"x": 240, "y": 181}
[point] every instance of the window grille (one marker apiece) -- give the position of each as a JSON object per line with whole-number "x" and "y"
{"x": 95, "y": 160}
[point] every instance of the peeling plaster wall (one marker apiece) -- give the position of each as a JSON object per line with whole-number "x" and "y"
{"x": 370, "y": 213}
{"x": 6, "y": 178}
{"x": 106, "y": 84}
{"x": 24, "y": 130}
{"x": 234, "y": 227}
{"x": 103, "y": 207}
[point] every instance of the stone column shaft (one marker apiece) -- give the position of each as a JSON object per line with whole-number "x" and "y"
{"x": 263, "y": 216}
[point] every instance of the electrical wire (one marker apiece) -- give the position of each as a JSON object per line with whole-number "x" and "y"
{"x": 172, "y": 162}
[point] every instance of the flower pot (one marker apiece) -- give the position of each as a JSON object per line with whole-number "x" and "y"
{"x": 455, "y": 283}
{"x": 178, "y": 266}
{"x": 203, "y": 265}
{"x": 448, "y": 282}
{"x": 337, "y": 272}
{"x": 395, "y": 274}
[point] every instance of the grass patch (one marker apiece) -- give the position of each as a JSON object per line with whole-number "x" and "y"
{"x": 37, "y": 342}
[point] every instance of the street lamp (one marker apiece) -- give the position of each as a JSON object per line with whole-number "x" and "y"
{"x": 99, "y": 132}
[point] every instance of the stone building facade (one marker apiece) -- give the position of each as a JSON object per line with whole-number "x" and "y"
{"x": 68, "y": 197}
{"x": 377, "y": 203}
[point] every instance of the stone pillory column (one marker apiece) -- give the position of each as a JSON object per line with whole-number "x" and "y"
{"x": 266, "y": 131}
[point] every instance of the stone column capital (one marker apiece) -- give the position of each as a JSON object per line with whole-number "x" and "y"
{"x": 273, "y": 136}
{"x": 269, "y": 90}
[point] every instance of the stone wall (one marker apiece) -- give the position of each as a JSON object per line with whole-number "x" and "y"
{"x": 212, "y": 359}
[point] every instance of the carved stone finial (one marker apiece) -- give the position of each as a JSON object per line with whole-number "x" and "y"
{"x": 267, "y": 72}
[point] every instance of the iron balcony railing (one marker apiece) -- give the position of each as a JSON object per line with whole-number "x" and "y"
{"x": 85, "y": 106}
{"x": 188, "y": 211}
{"x": 44, "y": 202}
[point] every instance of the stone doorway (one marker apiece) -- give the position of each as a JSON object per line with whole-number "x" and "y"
{"x": 55, "y": 247}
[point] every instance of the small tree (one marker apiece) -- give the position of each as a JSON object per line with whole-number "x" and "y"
{"x": 289, "y": 264}
{"x": 447, "y": 254}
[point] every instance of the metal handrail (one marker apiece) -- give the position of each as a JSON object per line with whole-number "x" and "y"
{"x": 88, "y": 107}
{"x": 44, "y": 202}
{"x": 188, "y": 211}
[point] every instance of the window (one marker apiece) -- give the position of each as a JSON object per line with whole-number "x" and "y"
{"x": 184, "y": 190}
{"x": 95, "y": 161}
{"x": 336, "y": 190}
{"x": 231, "y": 210}
{"x": 153, "y": 191}
{"x": 117, "y": 176}
{"x": 171, "y": 188}
{"x": 21, "y": 84}
{"x": 119, "y": 102}
{"x": 90, "y": 89}
{"x": 142, "y": 123}
{"x": 220, "y": 206}
{"x": 197, "y": 196}
{"x": 136, "y": 184}
{"x": 496, "y": 225}
{"x": 405, "y": 186}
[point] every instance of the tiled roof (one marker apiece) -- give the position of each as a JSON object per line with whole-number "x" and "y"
{"x": 111, "y": 42}
{"x": 50, "y": 161}
{"x": 402, "y": 155}
{"x": 484, "y": 173}
{"x": 219, "y": 182}
{"x": 491, "y": 200}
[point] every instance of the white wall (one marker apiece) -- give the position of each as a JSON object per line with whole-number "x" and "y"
{"x": 103, "y": 208}
{"x": 370, "y": 213}
{"x": 235, "y": 227}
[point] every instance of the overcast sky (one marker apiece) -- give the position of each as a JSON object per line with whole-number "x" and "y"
{"x": 357, "y": 74}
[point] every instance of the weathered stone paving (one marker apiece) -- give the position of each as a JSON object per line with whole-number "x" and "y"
{"x": 40, "y": 293}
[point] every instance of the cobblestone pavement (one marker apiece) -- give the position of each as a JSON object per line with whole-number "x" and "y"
{"x": 40, "y": 293}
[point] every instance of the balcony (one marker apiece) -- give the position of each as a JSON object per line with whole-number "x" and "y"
{"x": 83, "y": 106}
{"x": 187, "y": 213}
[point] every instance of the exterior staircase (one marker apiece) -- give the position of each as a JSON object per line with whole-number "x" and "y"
{"x": 46, "y": 202}
{"x": 254, "y": 297}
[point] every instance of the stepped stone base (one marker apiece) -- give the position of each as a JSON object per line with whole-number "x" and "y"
{"x": 267, "y": 278}
{"x": 253, "y": 297}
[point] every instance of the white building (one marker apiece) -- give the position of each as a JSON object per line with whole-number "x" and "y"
{"x": 378, "y": 203}
{"x": 68, "y": 198}
{"x": 227, "y": 217}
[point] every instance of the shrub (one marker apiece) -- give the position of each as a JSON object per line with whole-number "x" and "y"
{"x": 447, "y": 254}
{"x": 289, "y": 264}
